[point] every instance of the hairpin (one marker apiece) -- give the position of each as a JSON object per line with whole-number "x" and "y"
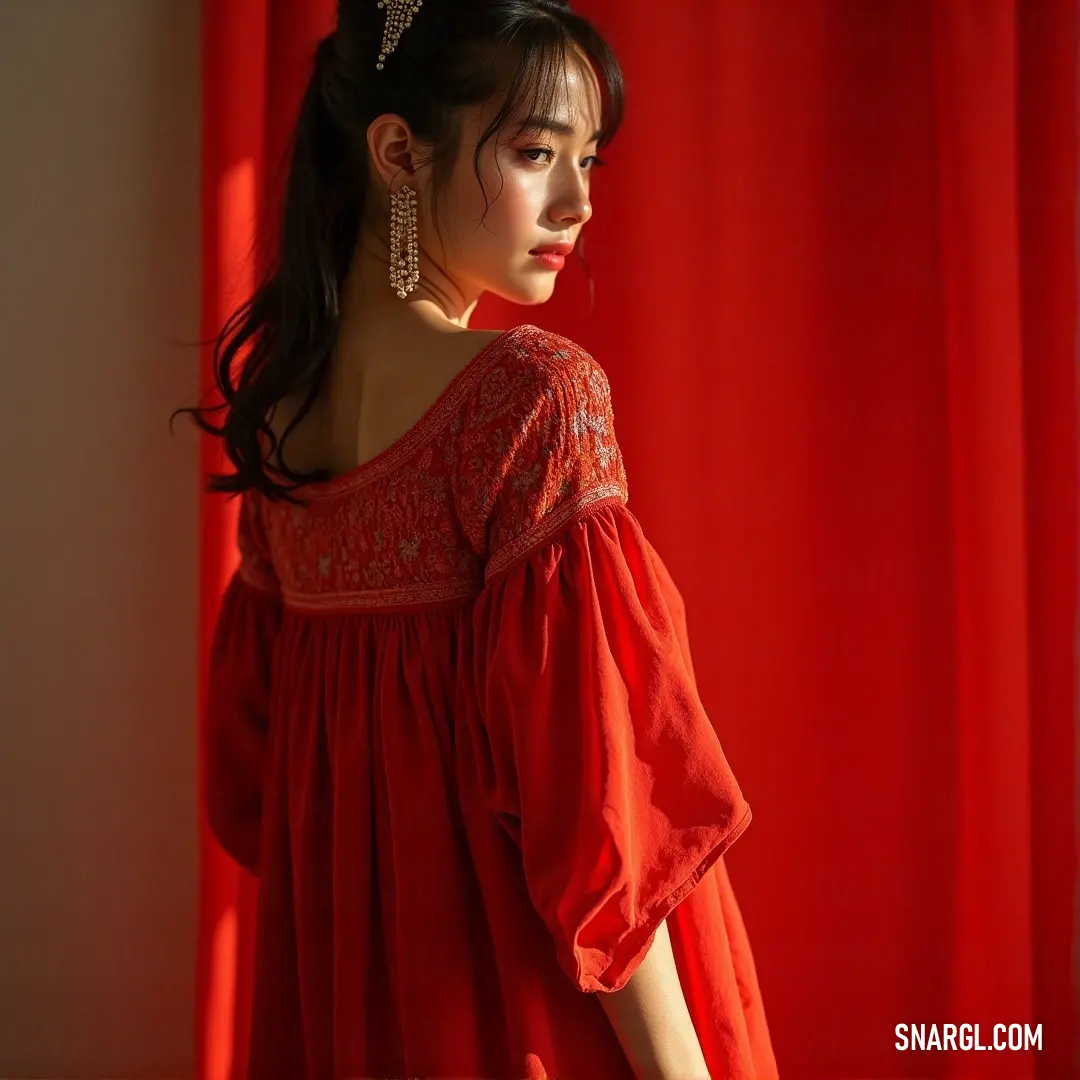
{"x": 399, "y": 17}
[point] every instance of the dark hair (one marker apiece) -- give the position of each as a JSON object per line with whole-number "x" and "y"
{"x": 456, "y": 54}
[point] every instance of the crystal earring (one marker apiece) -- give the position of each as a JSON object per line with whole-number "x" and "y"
{"x": 404, "y": 245}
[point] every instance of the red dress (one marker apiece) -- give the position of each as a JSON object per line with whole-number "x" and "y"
{"x": 454, "y": 729}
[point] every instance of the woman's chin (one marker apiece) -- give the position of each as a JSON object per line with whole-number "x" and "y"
{"x": 529, "y": 293}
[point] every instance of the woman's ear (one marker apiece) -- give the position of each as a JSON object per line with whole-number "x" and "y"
{"x": 391, "y": 147}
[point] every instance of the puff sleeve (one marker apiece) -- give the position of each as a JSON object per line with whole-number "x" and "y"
{"x": 237, "y": 705}
{"x": 599, "y": 758}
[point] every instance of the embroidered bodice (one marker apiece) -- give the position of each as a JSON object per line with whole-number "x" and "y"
{"x": 519, "y": 443}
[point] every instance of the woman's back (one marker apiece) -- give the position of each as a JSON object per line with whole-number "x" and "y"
{"x": 372, "y": 397}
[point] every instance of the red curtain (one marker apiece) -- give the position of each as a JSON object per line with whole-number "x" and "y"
{"x": 835, "y": 282}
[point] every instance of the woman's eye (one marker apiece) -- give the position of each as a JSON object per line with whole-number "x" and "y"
{"x": 590, "y": 163}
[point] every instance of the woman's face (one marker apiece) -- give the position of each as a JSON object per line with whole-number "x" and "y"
{"x": 538, "y": 191}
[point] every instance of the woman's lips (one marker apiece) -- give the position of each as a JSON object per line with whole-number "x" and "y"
{"x": 549, "y": 260}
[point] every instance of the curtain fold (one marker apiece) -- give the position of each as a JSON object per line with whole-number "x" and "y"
{"x": 835, "y": 293}
{"x": 256, "y": 63}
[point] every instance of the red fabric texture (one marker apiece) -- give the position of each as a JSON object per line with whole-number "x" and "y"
{"x": 237, "y": 712}
{"x": 476, "y": 810}
{"x": 596, "y": 753}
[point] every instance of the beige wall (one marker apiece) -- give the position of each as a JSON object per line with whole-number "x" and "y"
{"x": 99, "y": 250}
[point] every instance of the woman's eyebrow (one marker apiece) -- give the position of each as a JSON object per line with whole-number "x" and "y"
{"x": 556, "y": 127}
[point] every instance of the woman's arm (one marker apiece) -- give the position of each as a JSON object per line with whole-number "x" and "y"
{"x": 651, "y": 1020}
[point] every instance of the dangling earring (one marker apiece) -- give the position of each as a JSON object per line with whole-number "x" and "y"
{"x": 404, "y": 246}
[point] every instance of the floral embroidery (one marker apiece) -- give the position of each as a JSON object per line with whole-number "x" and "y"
{"x": 521, "y": 444}
{"x": 561, "y": 457}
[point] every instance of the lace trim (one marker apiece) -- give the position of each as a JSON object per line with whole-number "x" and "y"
{"x": 551, "y": 524}
{"x": 401, "y": 596}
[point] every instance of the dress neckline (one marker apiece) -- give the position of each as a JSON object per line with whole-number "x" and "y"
{"x": 387, "y": 460}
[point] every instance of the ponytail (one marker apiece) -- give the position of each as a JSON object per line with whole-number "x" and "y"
{"x": 290, "y": 322}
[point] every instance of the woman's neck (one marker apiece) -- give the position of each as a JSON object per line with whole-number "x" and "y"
{"x": 369, "y": 305}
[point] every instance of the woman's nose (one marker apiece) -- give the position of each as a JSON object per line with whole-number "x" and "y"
{"x": 575, "y": 209}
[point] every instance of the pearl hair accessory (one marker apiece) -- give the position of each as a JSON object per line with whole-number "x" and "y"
{"x": 399, "y": 17}
{"x": 404, "y": 246}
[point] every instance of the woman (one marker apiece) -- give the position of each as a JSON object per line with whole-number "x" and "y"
{"x": 453, "y": 722}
